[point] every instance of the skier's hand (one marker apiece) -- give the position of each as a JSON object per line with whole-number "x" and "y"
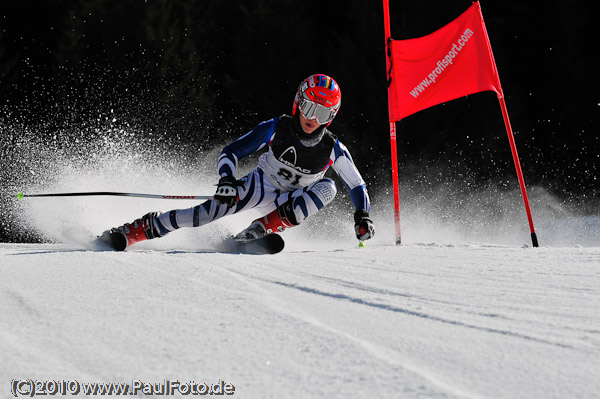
{"x": 363, "y": 226}
{"x": 227, "y": 191}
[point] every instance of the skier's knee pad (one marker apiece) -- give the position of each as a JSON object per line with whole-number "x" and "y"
{"x": 322, "y": 192}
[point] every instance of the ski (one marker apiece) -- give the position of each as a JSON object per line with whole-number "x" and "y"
{"x": 114, "y": 239}
{"x": 267, "y": 245}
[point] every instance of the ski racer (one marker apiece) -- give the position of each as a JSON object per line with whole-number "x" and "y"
{"x": 287, "y": 185}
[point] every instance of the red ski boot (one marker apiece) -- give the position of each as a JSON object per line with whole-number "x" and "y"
{"x": 275, "y": 222}
{"x": 124, "y": 236}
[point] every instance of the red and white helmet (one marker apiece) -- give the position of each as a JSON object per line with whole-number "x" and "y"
{"x": 318, "y": 97}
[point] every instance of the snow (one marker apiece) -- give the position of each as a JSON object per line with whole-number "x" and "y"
{"x": 464, "y": 308}
{"x": 467, "y": 320}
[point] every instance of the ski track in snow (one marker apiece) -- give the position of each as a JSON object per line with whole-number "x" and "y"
{"x": 413, "y": 321}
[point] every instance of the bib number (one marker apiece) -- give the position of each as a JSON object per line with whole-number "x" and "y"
{"x": 289, "y": 176}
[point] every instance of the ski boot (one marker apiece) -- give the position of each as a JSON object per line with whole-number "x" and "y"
{"x": 124, "y": 236}
{"x": 275, "y": 222}
{"x": 255, "y": 230}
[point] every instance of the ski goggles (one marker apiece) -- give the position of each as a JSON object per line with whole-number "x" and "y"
{"x": 312, "y": 110}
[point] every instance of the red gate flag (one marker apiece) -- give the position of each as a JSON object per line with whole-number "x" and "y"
{"x": 452, "y": 62}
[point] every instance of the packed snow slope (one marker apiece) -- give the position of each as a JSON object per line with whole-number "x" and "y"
{"x": 410, "y": 321}
{"x": 464, "y": 308}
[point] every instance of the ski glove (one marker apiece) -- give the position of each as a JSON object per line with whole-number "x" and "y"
{"x": 227, "y": 192}
{"x": 363, "y": 226}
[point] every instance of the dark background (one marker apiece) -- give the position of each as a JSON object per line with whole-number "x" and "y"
{"x": 207, "y": 71}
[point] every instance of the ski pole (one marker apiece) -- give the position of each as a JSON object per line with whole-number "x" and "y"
{"x": 20, "y": 196}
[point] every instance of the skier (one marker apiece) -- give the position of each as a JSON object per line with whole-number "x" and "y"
{"x": 287, "y": 185}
